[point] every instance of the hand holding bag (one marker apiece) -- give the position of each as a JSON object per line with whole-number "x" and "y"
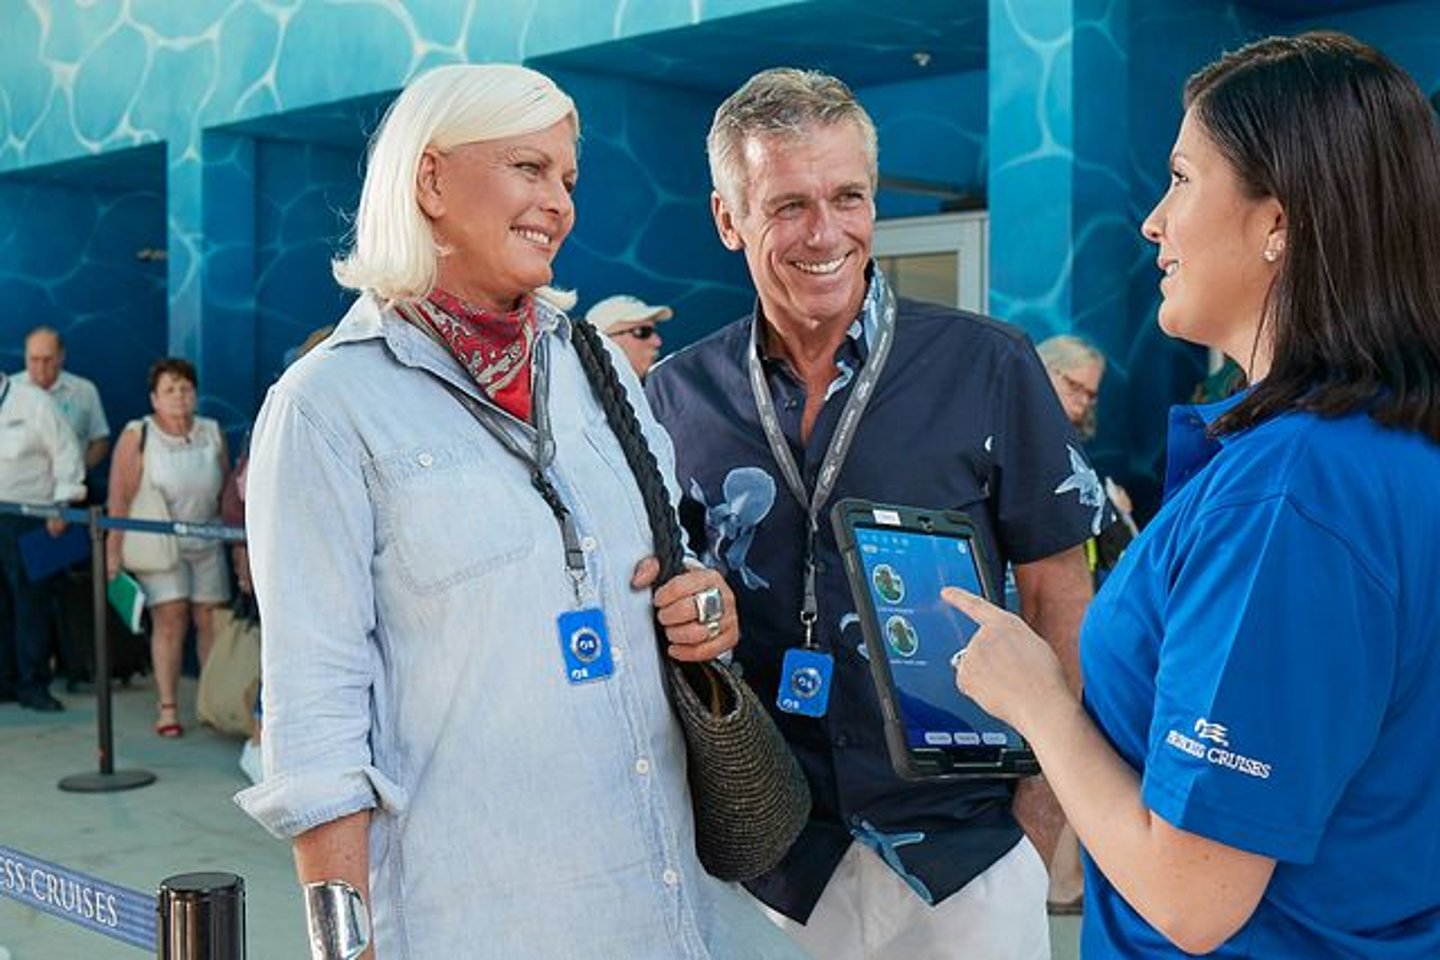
{"x": 750, "y": 797}
{"x": 148, "y": 552}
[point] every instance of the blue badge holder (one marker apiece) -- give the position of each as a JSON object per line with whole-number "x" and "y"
{"x": 805, "y": 682}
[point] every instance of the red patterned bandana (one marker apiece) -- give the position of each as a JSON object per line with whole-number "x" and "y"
{"x": 494, "y": 348}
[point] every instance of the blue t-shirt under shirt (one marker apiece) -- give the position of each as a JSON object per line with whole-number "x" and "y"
{"x": 1267, "y": 656}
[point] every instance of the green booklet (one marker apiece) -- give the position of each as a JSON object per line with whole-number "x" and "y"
{"x": 128, "y": 599}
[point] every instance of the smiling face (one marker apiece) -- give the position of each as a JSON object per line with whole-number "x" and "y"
{"x": 807, "y": 225}
{"x": 1220, "y": 250}
{"x": 500, "y": 210}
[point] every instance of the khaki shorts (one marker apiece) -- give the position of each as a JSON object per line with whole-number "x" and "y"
{"x": 202, "y": 577}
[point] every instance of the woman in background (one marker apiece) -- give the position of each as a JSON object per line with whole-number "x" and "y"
{"x": 184, "y": 457}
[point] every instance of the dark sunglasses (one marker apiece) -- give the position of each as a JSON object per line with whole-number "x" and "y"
{"x": 644, "y": 332}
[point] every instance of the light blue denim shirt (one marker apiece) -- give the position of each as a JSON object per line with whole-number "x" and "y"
{"x": 409, "y": 580}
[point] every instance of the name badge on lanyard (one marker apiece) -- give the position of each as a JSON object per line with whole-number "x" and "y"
{"x": 585, "y": 645}
{"x": 806, "y": 671}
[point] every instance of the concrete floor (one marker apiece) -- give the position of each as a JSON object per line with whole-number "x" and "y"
{"x": 183, "y": 822}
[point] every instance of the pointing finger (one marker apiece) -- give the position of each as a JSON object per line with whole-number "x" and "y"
{"x": 977, "y": 608}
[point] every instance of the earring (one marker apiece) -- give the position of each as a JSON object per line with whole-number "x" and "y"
{"x": 1273, "y": 253}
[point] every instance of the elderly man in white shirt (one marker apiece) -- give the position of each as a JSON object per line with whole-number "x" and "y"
{"x": 77, "y": 397}
{"x": 40, "y": 463}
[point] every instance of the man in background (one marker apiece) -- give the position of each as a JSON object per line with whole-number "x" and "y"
{"x": 39, "y": 464}
{"x": 67, "y": 605}
{"x": 77, "y": 398}
{"x": 630, "y": 322}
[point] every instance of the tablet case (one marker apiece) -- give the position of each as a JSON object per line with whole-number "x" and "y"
{"x": 910, "y": 762}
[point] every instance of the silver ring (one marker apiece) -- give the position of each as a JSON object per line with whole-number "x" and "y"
{"x": 712, "y": 629}
{"x": 709, "y": 605}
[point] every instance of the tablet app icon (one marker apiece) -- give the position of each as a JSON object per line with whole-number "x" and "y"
{"x": 888, "y": 583}
{"x": 901, "y": 635}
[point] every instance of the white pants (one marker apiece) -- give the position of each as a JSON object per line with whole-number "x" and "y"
{"x": 868, "y": 913}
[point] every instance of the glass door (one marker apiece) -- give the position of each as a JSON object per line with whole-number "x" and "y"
{"x": 942, "y": 259}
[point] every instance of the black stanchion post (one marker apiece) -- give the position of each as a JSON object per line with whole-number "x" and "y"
{"x": 108, "y": 779}
{"x": 201, "y": 916}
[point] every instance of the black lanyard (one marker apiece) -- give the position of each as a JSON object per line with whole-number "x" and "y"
{"x": 879, "y": 308}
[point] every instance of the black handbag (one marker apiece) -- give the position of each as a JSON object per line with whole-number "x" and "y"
{"x": 749, "y": 795}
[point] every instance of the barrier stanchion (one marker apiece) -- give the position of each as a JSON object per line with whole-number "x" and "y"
{"x": 107, "y": 779}
{"x": 201, "y": 916}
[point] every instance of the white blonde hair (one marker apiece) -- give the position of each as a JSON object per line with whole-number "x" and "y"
{"x": 394, "y": 251}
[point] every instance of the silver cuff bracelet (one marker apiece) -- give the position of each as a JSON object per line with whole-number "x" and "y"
{"x": 337, "y": 919}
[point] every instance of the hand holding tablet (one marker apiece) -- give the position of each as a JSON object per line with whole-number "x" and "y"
{"x": 898, "y": 559}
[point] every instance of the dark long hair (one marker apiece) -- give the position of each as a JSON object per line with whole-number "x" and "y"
{"x": 1347, "y": 144}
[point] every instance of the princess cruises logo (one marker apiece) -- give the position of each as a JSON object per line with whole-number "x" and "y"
{"x": 1214, "y": 732}
{"x": 1211, "y": 743}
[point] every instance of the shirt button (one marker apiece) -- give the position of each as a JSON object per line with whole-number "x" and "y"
{"x": 425, "y": 460}
{"x": 588, "y": 544}
{"x": 842, "y": 741}
{"x": 671, "y": 878}
{"x": 791, "y": 404}
{"x": 642, "y": 766}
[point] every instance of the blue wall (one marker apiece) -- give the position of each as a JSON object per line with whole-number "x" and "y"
{"x": 78, "y": 257}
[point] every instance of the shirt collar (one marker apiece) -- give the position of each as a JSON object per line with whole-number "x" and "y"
{"x": 858, "y": 336}
{"x": 1189, "y": 447}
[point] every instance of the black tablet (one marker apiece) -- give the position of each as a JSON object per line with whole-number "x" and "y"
{"x": 897, "y": 559}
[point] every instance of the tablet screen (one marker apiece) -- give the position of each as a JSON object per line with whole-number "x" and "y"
{"x": 905, "y": 570}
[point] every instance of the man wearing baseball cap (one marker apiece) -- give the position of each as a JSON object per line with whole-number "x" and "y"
{"x": 630, "y": 322}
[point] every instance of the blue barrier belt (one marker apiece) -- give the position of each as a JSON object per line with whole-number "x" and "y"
{"x": 97, "y": 905}
{"x": 180, "y": 528}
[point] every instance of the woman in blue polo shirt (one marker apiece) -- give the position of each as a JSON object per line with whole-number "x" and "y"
{"x": 1253, "y": 770}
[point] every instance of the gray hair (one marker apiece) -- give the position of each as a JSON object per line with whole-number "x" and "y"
{"x": 394, "y": 251}
{"x": 780, "y": 102}
{"x": 1065, "y": 352}
{"x": 43, "y": 330}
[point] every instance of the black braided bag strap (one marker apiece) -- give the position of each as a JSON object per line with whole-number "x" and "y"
{"x": 750, "y": 798}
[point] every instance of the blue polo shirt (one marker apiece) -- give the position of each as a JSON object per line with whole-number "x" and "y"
{"x": 962, "y": 417}
{"x": 1267, "y": 656}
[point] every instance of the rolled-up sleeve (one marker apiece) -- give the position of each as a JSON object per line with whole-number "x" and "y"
{"x": 311, "y": 535}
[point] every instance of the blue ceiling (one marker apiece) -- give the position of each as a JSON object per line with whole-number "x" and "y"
{"x": 345, "y": 123}
{"x": 1307, "y": 9}
{"x": 137, "y": 168}
{"x": 865, "y": 41}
